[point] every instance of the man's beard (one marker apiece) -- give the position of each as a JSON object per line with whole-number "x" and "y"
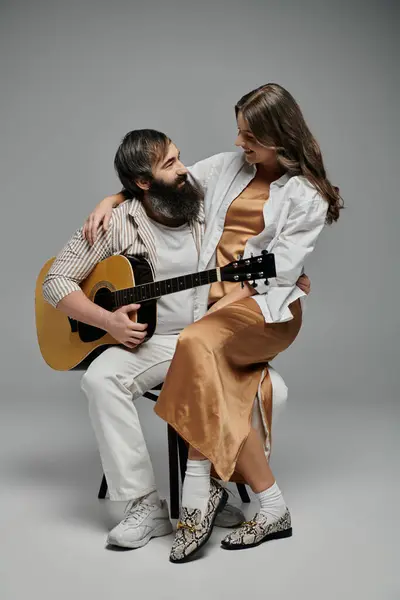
{"x": 174, "y": 201}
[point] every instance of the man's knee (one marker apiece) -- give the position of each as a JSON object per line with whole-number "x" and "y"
{"x": 94, "y": 380}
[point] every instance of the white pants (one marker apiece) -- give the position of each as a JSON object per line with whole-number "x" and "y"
{"x": 112, "y": 382}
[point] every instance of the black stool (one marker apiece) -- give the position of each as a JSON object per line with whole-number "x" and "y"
{"x": 177, "y": 458}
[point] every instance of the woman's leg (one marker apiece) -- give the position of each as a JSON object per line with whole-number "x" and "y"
{"x": 210, "y": 387}
{"x": 253, "y": 465}
{"x": 208, "y": 397}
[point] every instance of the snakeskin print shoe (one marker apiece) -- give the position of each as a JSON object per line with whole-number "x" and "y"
{"x": 260, "y": 529}
{"x": 192, "y": 532}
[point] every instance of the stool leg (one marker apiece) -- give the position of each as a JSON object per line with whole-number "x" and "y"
{"x": 183, "y": 456}
{"x": 103, "y": 489}
{"x": 173, "y": 472}
{"x": 243, "y": 492}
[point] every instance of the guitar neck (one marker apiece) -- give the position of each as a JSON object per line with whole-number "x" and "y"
{"x": 152, "y": 291}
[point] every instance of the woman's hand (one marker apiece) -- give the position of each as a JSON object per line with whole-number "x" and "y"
{"x": 100, "y": 216}
{"x": 239, "y": 293}
{"x": 304, "y": 283}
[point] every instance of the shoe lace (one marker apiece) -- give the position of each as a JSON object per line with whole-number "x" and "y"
{"x": 136, "y": 511}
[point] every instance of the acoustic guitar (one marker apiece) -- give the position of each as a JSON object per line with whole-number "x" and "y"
{"x": 68, "y": 344}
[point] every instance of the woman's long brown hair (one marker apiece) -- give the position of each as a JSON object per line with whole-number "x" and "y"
{"x": 275, "y": 119}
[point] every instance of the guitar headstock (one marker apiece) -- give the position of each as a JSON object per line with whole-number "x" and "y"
{"x": 250, "y": 269}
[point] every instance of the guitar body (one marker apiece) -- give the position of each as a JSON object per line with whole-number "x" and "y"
{"x": 119, "y": 280}
{"x": 67, "y": 344}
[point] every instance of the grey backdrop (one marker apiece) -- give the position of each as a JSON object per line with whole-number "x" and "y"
{"x": 75, "y": 77}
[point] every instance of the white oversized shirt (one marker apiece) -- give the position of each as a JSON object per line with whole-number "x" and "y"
{"x": 294, "y": 217}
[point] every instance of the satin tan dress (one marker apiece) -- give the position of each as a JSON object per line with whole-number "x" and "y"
{"x": 209, "y": 392}
{"x": 244, "y": 220}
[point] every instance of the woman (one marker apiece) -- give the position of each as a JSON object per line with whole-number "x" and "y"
{"x": 274, "y": 196}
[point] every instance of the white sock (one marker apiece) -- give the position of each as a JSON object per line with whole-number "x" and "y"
{"x": 272, "y": 503}
{"x": 196, "y": 486}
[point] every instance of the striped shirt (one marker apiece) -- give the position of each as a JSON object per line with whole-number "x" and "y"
{"x": 129, "y": 233}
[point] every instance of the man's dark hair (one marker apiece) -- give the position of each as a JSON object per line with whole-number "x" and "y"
{"x": 137, "y": 154}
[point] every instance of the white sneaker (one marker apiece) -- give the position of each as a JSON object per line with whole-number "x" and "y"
{"x": 231, "y": 516}
{"x": 143, "y": 520}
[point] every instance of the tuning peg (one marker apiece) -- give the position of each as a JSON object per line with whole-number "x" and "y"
{"x": 242, "y": 284}
{"x": 254, "y": 284}
{"x": 239, "y": 257}
{"x": 266, "y": 282}
{"x": 264, "y": 251}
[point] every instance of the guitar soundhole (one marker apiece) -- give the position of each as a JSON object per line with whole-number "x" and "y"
{"x": 88, "y": 333}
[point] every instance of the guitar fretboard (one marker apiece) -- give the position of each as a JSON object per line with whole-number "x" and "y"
{"x": 151, "y": 291}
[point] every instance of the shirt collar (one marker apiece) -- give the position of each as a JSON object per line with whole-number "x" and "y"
{"x": 251, "y": 169}
{"x": 136, "y": 208}
{"x": 282, "y": 180}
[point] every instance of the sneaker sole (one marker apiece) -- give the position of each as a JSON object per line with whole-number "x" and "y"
{"x": 221, "y": 506}
{"x": 140, "y": 543}
{"x": 233, "y": 525}
{"x": 271, "y": 536}
{"x": 223, "y": 521}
